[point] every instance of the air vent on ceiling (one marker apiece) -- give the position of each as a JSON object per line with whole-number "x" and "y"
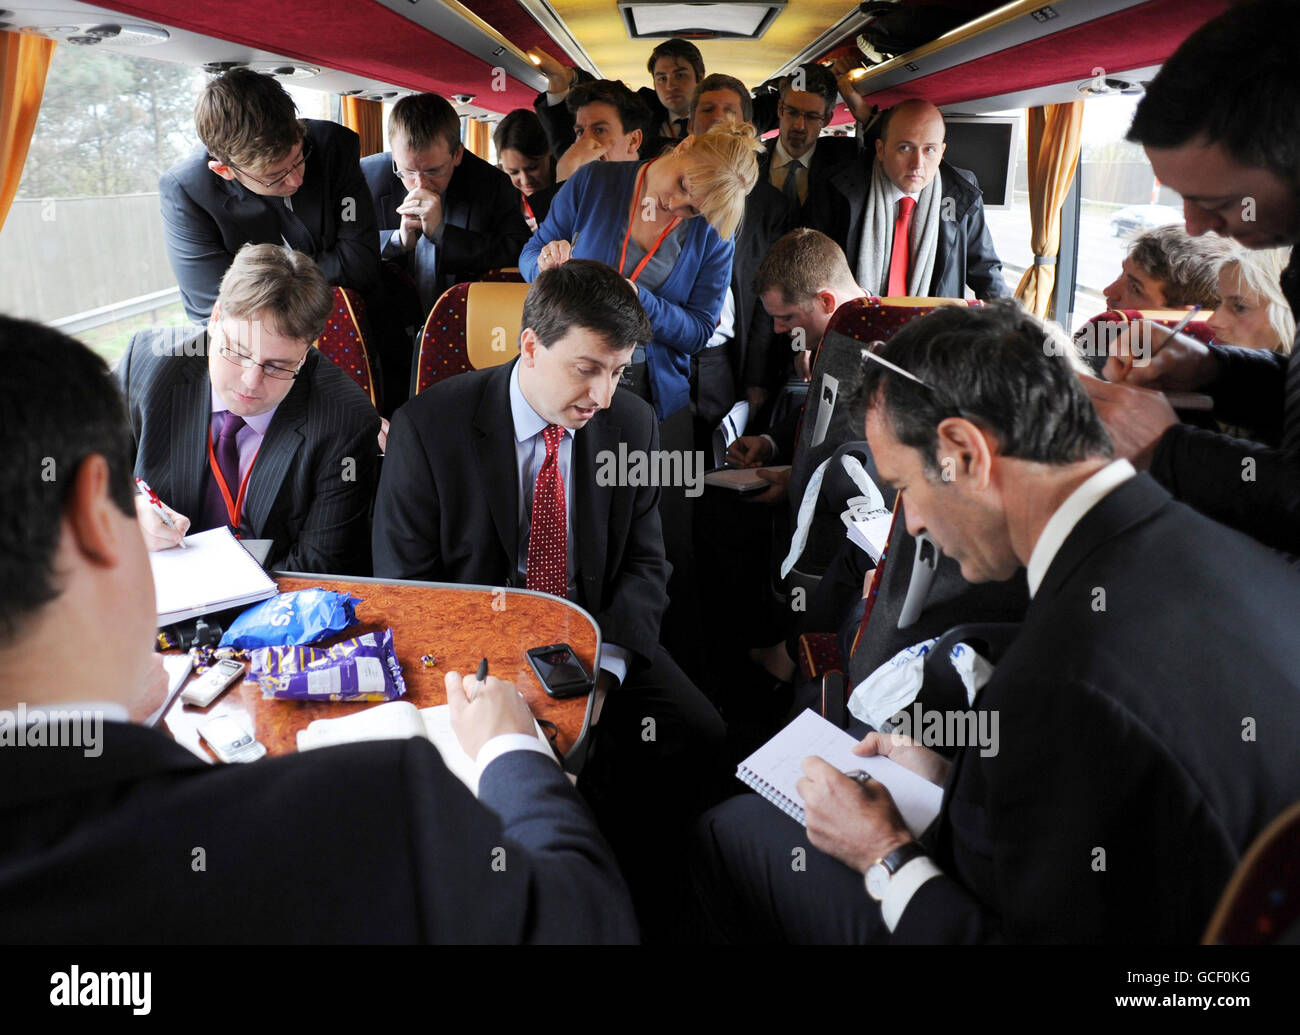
{"x": 1109, "y": 86}
{"x": 88, "y": 34}
{"x": 738, "y": 19}
{"x": 285, "y": 69}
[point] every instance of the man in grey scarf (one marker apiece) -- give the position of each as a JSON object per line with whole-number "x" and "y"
{"x": 909, "y": 192}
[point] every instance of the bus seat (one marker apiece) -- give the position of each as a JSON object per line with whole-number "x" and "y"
{"x": 1261, "y": 905}
{"x": 506, "y": 275}
{"x": 827, "y": 418}
{"x": 1094, "y": 337}
{"x": 471, "y": 327}
{"x": 344, "y": 342}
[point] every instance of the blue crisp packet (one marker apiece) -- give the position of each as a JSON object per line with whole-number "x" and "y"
{"x": 304, "y": 616}
{"x": 364, "y": 668}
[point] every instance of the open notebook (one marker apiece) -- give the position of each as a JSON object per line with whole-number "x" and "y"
{"x": 213, "y": 573}
{"x": 776, "y": 768}
{"x": 397, "y": 720}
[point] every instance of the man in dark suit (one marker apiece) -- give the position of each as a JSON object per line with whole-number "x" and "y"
{"x": 247, "y": 425}
{"x": 467, "y": 462}
{"x": 263, "y": 176}
{"x": 910, "y": 223}
{"x": 1238, "y": 177}
{"x": 444, "y": 215}
{"x": 121, "y": 835}
{"x": 800, "y": 161}
{"x": 737, "y": 362}
{"x": 1124, "y": 776}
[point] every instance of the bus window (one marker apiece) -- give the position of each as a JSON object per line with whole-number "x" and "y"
{"x": 83, "y": 243}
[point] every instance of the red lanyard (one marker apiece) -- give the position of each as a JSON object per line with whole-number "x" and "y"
{"x": 631, "y": 217}
{"x": 234, "y": 507}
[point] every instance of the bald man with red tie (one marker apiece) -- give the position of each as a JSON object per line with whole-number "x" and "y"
{"x": 909, "y": 223}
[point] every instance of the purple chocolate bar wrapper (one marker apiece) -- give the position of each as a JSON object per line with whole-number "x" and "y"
{"x": 363, "y": 668}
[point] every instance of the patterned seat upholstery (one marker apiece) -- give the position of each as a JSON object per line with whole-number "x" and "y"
{"x": 472, "y": 326}
{"x": 1094, "y": 337}
{"x": 504, "y": 275}
{"x": 1261, "y": 905}
{"x": 344, "y": 342}
{"x": 876, "y": 319}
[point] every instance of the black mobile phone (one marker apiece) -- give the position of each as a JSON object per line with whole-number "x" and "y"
{"x": 559, "y": 670}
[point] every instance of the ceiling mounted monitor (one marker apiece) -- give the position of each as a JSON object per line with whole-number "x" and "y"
{"x": 739, "y": 19}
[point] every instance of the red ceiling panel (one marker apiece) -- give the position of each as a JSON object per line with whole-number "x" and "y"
{"x": 356, "y": 36}
{"x": 1132, "y": 38}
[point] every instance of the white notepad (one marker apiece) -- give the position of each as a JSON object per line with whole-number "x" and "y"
{"x": 775, "y": 768}
{"x": 212, "y": 573}
{"x": 741, "y": 479}
{"x": 397, "y": 720}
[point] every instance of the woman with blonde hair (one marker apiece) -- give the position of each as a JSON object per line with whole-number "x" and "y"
{"x": 1253, "y": 313}
{"x": 641, "y": 219}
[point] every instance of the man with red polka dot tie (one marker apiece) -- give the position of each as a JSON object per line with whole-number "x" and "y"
{"x": 491, "y": 478}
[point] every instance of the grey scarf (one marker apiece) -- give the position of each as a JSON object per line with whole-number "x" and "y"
{"x": 878, "y": 236}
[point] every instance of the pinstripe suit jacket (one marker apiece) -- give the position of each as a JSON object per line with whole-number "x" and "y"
{"x": 303, "y": 493}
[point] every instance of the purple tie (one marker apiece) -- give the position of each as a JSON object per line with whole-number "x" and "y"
{"x": 227, "y": 454}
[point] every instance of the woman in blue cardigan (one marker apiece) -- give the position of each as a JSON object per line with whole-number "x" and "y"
{"x": 639, "y": 217}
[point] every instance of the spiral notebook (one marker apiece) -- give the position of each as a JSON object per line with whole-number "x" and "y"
{"x": 776, "y": 768}
{"x": 214, "y": 572}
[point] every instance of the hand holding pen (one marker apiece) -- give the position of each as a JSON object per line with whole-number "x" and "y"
{"x": 161, "y": 526}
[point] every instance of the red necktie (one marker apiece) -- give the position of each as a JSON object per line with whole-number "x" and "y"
{"x": 548, "y": 560}
{"x": 898, "y": 264}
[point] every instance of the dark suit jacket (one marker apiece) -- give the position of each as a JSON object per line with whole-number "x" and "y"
{"x": 299, "y": 494}
{"x": 448, "y": 503}
{"x": 206, "y": 219}
{"x": 828, "y": 157}
{"x": 767, "y": 217}
{"x": 965, "y": 252}
{"x": 373, "y": 842}
{"x": 483, "y": 226}
{"x": 1149, "y": 725}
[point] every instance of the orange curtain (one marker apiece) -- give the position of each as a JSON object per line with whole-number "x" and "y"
{"x": 365, "y": 119}
{"x": 24, "y": 60}
{"x": 477, "y": 138}
{"x": 1054, "y": 132}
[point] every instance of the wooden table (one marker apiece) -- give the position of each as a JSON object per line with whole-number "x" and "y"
{"x": 458, "y": 625}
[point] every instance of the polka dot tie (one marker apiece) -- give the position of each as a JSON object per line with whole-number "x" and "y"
{"x": 548, "y": 562}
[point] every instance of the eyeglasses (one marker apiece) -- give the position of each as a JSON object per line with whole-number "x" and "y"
{"x": 243, "y": 360}
{"x": 794, "y": 114}
{"x": 302, "y": 158}
{"x": 421, "y": 174}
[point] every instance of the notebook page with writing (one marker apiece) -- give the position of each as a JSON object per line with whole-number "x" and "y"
{"x": 776, "y": 768}
{"x": 212, "y": 573}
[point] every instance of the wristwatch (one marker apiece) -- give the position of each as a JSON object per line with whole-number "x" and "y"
{"x": 880, "y": 872}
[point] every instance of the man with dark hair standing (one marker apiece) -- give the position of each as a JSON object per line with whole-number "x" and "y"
{"x": 492, "y": 478}
{"x": 1233, "y": 153}
{"x": 264, "y": 176}
{"x": 100, "y": 833}
{"x": 1122, "y": 784}
{"x": 800, "y": 161}
{"x": 608, "y": 124}
{"x": 909, "y": 223}
{"x": 246, "y": 425}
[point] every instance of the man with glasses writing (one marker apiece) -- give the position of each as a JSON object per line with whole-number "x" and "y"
{"x": 799, "y": 162}
{"x": 264, "y": 176}
{"x": 445, "y": 215}
{"x": 247, "y": 425}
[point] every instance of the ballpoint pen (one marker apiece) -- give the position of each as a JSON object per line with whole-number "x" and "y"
{"x": 158, "y": 508}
